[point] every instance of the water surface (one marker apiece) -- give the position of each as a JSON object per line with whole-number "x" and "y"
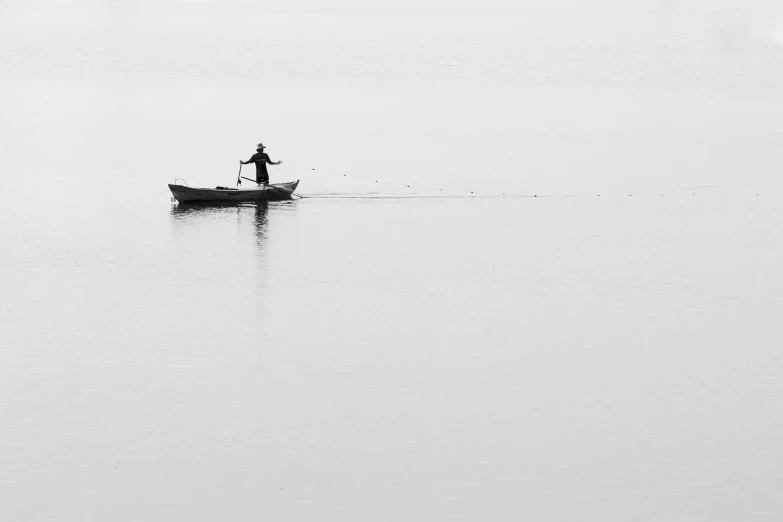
{"x": 606, "y": 350}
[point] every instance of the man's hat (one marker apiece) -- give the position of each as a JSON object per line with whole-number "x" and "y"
{"x": 260, "y": 146}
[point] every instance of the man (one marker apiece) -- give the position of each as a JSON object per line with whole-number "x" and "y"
{"x": 261, "y": 158}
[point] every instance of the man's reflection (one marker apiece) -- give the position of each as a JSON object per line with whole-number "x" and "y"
{"x": 261, "y": 213}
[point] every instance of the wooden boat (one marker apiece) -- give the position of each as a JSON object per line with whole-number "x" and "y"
{"x": 274, "y": 191}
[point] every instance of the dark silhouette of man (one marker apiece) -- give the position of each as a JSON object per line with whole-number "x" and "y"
{"x": 261, "y": 159}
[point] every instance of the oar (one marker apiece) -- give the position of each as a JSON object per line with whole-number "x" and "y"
{"x": 268, "y": 185}
{"x": 239, "y": 181}
{"x": 290, "y": 192}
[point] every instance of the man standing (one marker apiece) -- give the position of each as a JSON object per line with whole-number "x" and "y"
{"x": 261, "y": 158}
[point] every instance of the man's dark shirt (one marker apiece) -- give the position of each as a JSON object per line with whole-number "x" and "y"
{"x": 261, "y": 159}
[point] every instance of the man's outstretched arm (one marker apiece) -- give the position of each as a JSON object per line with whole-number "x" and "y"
{"x": 251, "y": 160}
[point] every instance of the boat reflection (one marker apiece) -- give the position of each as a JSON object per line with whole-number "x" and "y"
{"x": 206, "y": 215}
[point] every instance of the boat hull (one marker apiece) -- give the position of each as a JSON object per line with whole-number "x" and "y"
{"x": 272, "y": 192}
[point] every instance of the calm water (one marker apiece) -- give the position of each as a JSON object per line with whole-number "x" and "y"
{"x": 607, "y": 351}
